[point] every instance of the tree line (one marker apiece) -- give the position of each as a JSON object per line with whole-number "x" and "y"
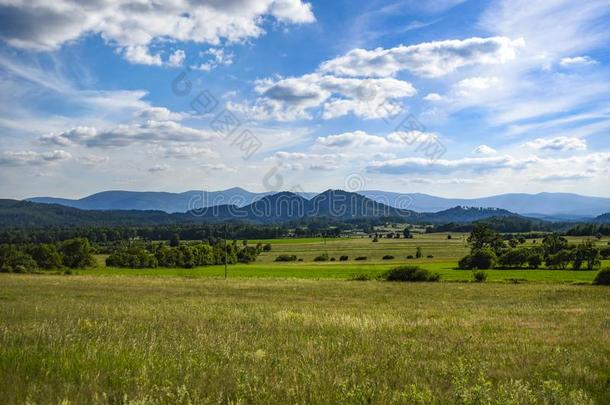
{"x": 20, "y": 258}
{"x": 488, "y": 249}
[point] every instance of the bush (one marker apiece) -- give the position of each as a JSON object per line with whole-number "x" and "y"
{"x": 360, "y": 258}
{"x": 410, "y": 257}
{"x": 410, "y": 273}
{"x": 286, "y": 258}
{"x": 267, "y": 247}
{"x": 322, "y": 258}
{"x": 603, "y": 277}
{"x": 479, "y": 276}
{"x": 332, "y": 259}
{"x": 419, "y": 253}
{"x": 465, "y": 263}
{"x": 6, "y": 268}
{"x": 300, "y": 260}
{"x": 388, "y": 257}
{"x": 430, "y": 257}
{"x": 483, "y": 259}
{"x": 343, "y": 258}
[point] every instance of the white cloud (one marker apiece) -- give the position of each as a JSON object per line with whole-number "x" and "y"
{"x": 433, "y": 97}
{"x": 218, "y": 57}
{"x": 161, "y": 114}
{"x": 429, "y": 59}
{"x": 484, "y": 150}
{"x": 93, "y": 160}
{"x": 289, "y": 99}
{"x": 422, "y": 165}
{"x": 564, "y": 177}
{"x": 577, "y": 61}
{"x": 559, "y": 144}
{"x": 125, "y": 135}
{"x": 31, "y": 158}
{"x": 133, "y": 26}
{"x": 472, "y": 85}
{"x": 177, "y": 58}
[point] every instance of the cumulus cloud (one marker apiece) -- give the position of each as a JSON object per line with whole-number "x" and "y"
{"x": 429, "y": 59}
{"x": 31, "y": 158}
{"x": 422, "y": 165}
{"x": 133, "y": 26}
{"x": 289, "y": 99}
{"x": 359, "y": 139}
{"x": 125, "y": 135}
{"x": 559, "y": 144}
{"x": 161, "y": 114}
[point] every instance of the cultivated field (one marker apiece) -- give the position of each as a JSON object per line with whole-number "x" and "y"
{"x": 81, "y": 339}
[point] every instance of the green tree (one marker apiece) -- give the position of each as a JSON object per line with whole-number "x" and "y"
{"x": 553, "y": 244}
{"x": 46, "y": 256}
{"x": 419, "y": 253}
{"x": 77, "y": 253}
{"x": 483, "y": 236}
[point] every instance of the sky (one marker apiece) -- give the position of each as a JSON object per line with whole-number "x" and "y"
{"x": 455, "y": 98}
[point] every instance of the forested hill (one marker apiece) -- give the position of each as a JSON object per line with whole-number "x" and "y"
{"x": 278, "y": 208}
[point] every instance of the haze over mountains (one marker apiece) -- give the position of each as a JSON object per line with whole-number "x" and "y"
{"x": 551, "y": 206}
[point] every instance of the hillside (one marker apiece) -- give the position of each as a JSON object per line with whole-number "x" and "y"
{"x": 277, "y": 208}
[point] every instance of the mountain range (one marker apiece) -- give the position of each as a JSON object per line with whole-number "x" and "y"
{"x": 272, "y": 209}
{"x": 548, "y": 206}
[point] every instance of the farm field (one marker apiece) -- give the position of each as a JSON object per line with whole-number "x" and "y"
{"x": 446, "y": 253}
{"x": 75, "y": 339}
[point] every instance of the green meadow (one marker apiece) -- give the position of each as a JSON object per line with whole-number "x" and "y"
{"x": 303, "y": 332}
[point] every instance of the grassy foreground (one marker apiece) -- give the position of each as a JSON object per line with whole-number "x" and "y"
{"x": 175, "y": 340}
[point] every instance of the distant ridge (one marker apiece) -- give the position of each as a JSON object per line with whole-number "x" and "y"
{"x": 551, "y": 206}
{"x": 277, "y": 208}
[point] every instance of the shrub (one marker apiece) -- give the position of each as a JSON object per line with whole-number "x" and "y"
{"x": 267, "y": 247}
{"x": 6, "y": 268}
{"x": 322, "y": 258}
{"x": 430, "y": 257}
{"x": 300, "y": 260}
{"x": 419, "y": 253}
{"x": 20, "y": 269}
{"x": 483, "y": 259}
{"x": 286, "y": 258}
{"x": 465, "y": 263}
{"x": 410, "y": 257}
{"x": 479, "y": 276}
{"x": 410, "y": 273}
{"x": 359, "y": 277}
{"x": 603, "y": 277}
{"x": 343, "y": 258}
{"x": 332, "y": 259}
{"x": 361, "y": 258}
{"x": 388, "y": 257}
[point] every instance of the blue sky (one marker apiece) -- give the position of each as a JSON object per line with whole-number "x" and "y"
{"x": 451, "y": 97}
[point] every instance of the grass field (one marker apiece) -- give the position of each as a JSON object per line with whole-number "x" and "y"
{"x": 82, "y": 339}
{"x": 302, "y": 333}
{"x": 446, "y": 253}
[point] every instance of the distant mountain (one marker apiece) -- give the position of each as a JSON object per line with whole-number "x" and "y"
{"x": 278, "y": 208}
{"x": 159, "y": 201}
{"x": 560, "y": 206}
{"x": 547, "y": 206}
{"x": 603, "y": 219}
